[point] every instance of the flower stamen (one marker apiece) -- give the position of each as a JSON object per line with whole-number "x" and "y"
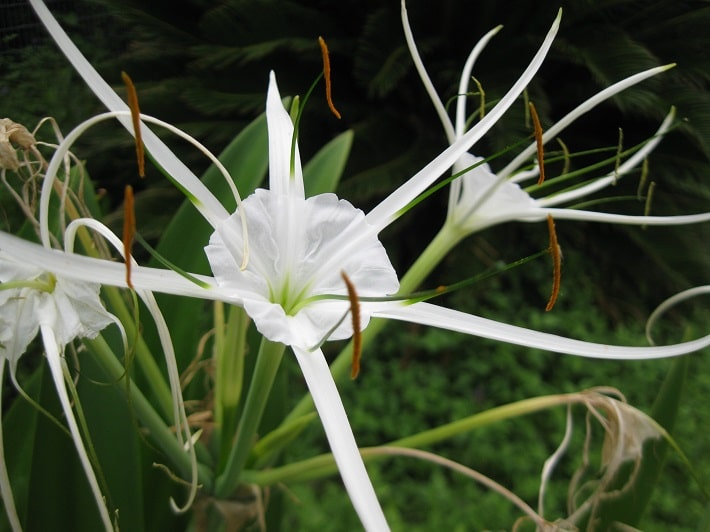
{"x": 326, "y": 75}
{"x": 642, "y": 180}
{"x": 556, "y": 253}
{"x": 537, "y": 130}
{"x": 566, "y": 155}
{"x": 135, "y": 117}
{"x": 649, "y": 198}
{"x": 481, "y": 98}
{"x": 129, "y": 230}
{"x": 357, "y": 333}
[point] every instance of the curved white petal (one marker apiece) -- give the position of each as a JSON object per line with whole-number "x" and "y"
{"x": 179, "y": 416}
{"x": 80, "y": 268}
{"x": 453, "y": 320}
{"x": 426, "y": 80}
{"x": 389, "y": 209}
{"x": 8, "y": 498}
{"x": 627, "y": 166}
{"x": 55, "y": 366}
{"x": 282, "y": 178}
{"x": 212, "y": 209}
{"x": 593, "y": 216}
{"x": 524, "y": 156}
{"x": 340, "y": 437}
{"x": 466, "y": 78}
{"x": 671, "y": 302}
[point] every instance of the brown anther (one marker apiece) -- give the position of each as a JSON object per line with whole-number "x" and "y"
{"x": 357, "y": 333}
{"x": 440, "y": 289}
{"x": 537, "y": 130}
{"x": 326, "y": 75}
{"x": 129, "y": 229}
{"x": 136, "y": 119}
{"x": 556, "y": 253}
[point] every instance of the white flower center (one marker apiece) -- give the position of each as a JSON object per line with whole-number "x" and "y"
{"x": 298, "y": 249}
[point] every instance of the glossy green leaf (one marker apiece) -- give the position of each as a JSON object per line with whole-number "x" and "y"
{"x": 323, "y": 172}
{"x": 246, "y": 158}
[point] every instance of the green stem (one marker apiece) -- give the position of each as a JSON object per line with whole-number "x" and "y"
{"x": 118, "y": 305}
{"x": 159, "y": 432}
{"x": 267, "y": 365}
{"x": 144, "y": 357}
{"x": 434, "y": 253}
{"x": 324, "y": 465}
{"x": 230, "y": 350}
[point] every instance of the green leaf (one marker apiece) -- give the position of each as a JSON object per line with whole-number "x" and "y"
{"x": 183, "y": 241}
{"x": 278, "y": 439}
{"x": 323, "y": 172}
{"x": 19, "y": 429}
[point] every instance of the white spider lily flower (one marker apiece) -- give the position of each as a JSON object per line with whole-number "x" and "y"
{"x": 481, "y": 198}
{"x": 299, "y": 247}
{"x": 62, "y": 309}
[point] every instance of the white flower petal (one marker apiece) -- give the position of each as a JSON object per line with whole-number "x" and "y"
{"x": 340, "y": 437}
{"x": 74, "y": 306}
{"x": 299, "y": 247}
{"x": 486, "y": 200}
{"x": 280, "y": 128}
{"x": 524, "y": 156}
{"x": 211, "y": 208}
{"x": 55, "y": 365}
{"x": 81, "y": 268}
{"x": 391, "y": 207}
{"x": 452, "y": 320}
{"x": 624, "y": 219}
{"x": 8, "y": 498}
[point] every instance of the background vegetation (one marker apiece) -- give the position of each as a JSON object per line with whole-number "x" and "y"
{"x": 204, "y": 66}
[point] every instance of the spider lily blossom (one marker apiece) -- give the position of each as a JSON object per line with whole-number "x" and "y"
{"x": 480, "y": 198}
{"x": 291, "y": 286}
{"x": 62, "y": 309}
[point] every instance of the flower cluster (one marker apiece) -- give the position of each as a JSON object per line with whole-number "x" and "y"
{"x": 291, "y": 282}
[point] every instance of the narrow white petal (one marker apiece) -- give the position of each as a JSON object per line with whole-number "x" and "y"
{"x": 670, "y": 303}
{"x": 55, "y": 366}
{"x": 426, "y": 80}
{"x": 627, "y": 166}
{"x": 340, "y": 437}
{"x": 593, "y": 216}
{"x": 5, "y": 487}
{"x": 453, "y": 320}
{"x": 466, "y": 78}
{"x": 106, "y": 272}
{"x": 578, "y": 111}
{"x": 179, "y": 416}
{"x": 388, "y": 210}
{"x": 280, "y": 128}
{"x": 212, "y": 209}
